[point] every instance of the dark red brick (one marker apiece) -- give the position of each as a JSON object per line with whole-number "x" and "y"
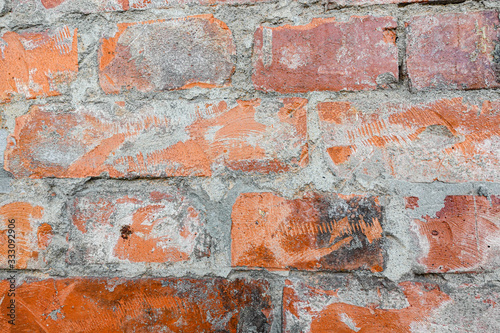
{"x": 359, "y": 54}
{"x": 453, "y": 51}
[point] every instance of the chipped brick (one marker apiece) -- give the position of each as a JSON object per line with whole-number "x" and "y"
{"x": 159, "y": 226}
{"x": 167, "y": 55}
{"x": 314, "y": 309}
{"x": 251, "y": 136}
{"x": 141, "y": 305}
{"x": 29, "y": 239}
{"x": 453, "y": 51}
{"x": 325, "y": 55}
{"x": 317, "y": 232}
{"x": 147, "y": 4}
{"x": 447, "y": 140}
{"x": 464, "y": 236}
{"x": 37, "y": 63}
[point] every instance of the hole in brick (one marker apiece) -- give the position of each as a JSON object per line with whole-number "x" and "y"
{"x": 435, "y": 232}
{"x": 126, "y": 231}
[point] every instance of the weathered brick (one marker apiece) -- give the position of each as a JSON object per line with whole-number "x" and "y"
{"x": 464, "y": 236}
{"x": 313, "y": 233}
{"x": 359, "y": 54}
{"x": 344, "y": 3}
{"x": 382, "y": 307}
{"x": 142, "y": 305}
{"x": 36, "y": 63}
{"x": 85, "y": 6}
{"x": 61, "y": 7}
{"x": 189, "y": 140}
{"x": 446, "y": 140}
{"x": 157, "y": 226}
{"x": 146, "y": 4}
{"x": 167, "y": 55}
{"x": 456, "y": 51}
{"x": 30, "y": 236}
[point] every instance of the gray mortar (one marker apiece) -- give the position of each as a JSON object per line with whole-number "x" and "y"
{"x": 218, "y": 194}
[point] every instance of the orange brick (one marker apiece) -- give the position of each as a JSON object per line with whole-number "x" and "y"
{"x": 463, "y": 237}
{"x": 315, "y": 309}
{"x": 157, "y": 226}
{"x": 446, "y": 140}
{"x": 313, "y": 233}
{"x": 35, "y": 64}
{"x": 29, "y": 239}
{"x": 143, "y": 305}
{"x": 167, "y": 55}
{"x": 326, "y": 55}
{"x": 249, "y": 136}
{"x": 454, "y": 51}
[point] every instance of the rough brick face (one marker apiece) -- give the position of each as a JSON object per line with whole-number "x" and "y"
{"x": 413, "y": 307}
{"x": 86, "y": 6}
{"x": 167, "y": 55}
{"x": 463, "y": 237}
{"x": 250, "y": 166}
{"x": 98, "y": 6}
{"x": 343, "y": 3}
{"x": 250, "y": 136}
{"x": 147, "y": 4}
{"x": 456, "y": 51}
{"x": 156, "y": 226}
{"x": 143, "y": 305}
{"x": 30, "y": 237}
{"x": 37, "y": 63}
{"x": 359, "y": 54}
{"x": 446, "y": 140}
{"x": 313, "y": 233}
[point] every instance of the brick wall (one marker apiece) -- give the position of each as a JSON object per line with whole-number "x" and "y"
{"x": 250, "y": 166}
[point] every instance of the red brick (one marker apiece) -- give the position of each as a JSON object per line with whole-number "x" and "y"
{"x": 455, "y": 51}
{"x": 142, "y": 305}
{"x": 315, "y": 309}
{"x": 36, "y": 63}
{"x": 411, "y": 202}
{"x": 464, "y": 236}
{"x": 326, "y": 55}
{"x": 157, "y": 226}
{"x": 249, "y": 136}
{"x": 446, "y": 140}
{"x": 313, "y": 233}
{"x": 30, "y": 237}
{"x": 167, "y": 55}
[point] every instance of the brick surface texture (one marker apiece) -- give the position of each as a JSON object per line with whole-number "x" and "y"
{"x": 250, "y": 166}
